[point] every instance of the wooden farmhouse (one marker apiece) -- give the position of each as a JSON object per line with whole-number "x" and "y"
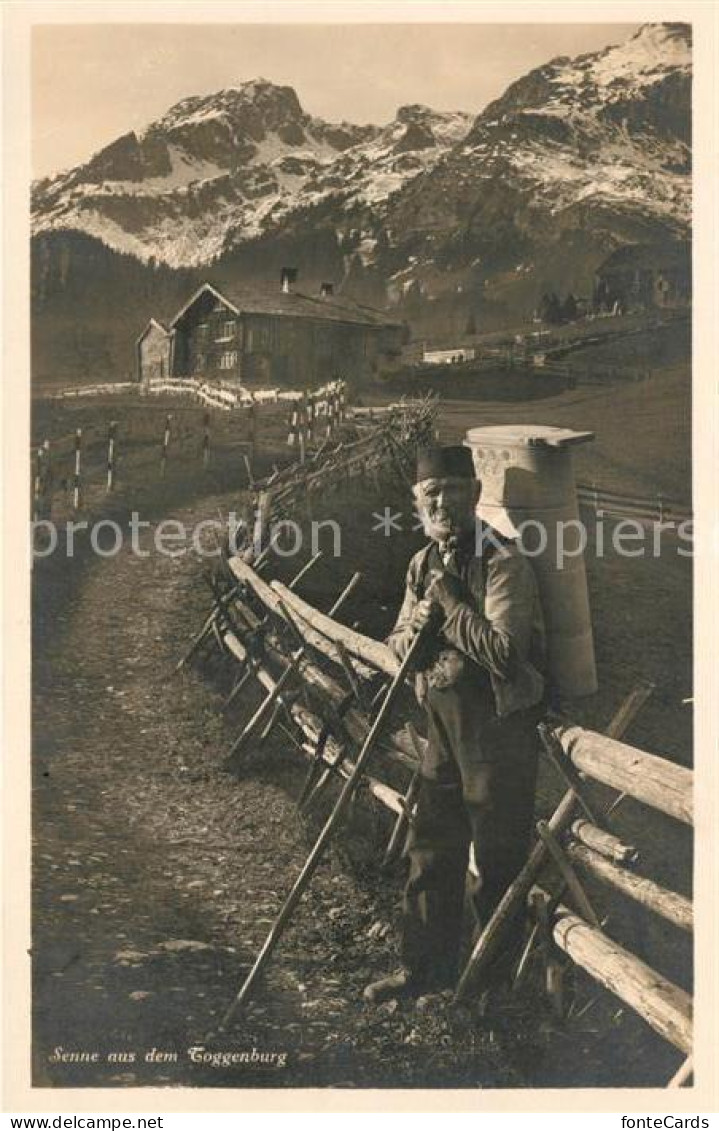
{"x": 260, "y": 335}
{"x": 646, "y": 276}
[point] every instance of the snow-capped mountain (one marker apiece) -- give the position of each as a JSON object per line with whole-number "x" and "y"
{"x": 221, "y": 169}
{"x": 603, "y": 128}
{"x": 594, "y": 148}
{"x": 449, "y": 218}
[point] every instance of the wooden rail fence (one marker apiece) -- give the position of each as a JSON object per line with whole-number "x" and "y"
{"x": 323, "y": 683}
{"x": 65, "y": 465}
{"x": 660, "y": 508}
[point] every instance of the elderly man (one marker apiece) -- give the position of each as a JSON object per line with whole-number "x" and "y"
{"x": 479, "y": 678}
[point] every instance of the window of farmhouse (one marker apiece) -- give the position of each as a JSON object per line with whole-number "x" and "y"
{"x": 228, "y": 360}
{"x": 227, "y": 331}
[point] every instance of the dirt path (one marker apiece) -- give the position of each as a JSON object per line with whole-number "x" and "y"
{"x": 157, "y": 877}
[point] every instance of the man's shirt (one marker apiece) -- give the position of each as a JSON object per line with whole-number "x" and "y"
{"x": 498, "y": 622}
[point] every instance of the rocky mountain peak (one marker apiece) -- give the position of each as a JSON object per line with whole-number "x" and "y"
{"x": 674, "y": 37}
{"x": 650, "y": 55}
{"x": 641, "y": 84}
{"x": 246, "y": 113}
{"x": 414, "y": 112}
{"x": 416, "y": 126}
{"x": 598, "y": 139}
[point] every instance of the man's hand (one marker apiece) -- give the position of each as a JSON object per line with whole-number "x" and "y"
{"x": 446, "y": 591}
{"x": 424, "y": 611}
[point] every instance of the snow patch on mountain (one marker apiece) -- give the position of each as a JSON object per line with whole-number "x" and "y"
{"x": 229, "y": 165}
{"x": 565, "y": 181}
{"x": 641, "y": 61}
{"x": 184, "y": 171}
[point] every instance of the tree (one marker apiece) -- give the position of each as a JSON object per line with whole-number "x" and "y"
{"x": 550, "y": 309}
{"x": 569, "y": 308}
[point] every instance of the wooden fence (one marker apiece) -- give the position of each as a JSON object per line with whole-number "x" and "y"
{"x": 217, "y": 394}
{"x": 77, "y": 460}
{"x": 98, "y": 390}
{"x": 227, "y": 397}
{"x": 657, "y": 508}
{"x": 324, "y": 683}
{"x": 578, "y": 841}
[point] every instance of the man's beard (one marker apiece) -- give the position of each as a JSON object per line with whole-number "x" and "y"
{"x": 440, "y": 529}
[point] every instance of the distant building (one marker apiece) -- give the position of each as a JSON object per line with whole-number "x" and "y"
{"x": 256, "y": 335}
{"x": 153, "y": 351}
{"x": 448, "y": 357}
{"x": 645, "y": 276}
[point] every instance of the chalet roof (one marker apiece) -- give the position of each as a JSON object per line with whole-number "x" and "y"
{"x": 265, "y": 298}
{"x": 655, "y": 256}
{"x": 158, "y": 326}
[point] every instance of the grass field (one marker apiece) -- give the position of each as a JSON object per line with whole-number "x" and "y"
{"x": 642, "y": 431}
{"x": 642, "y": 428}
{"x": 140, "y": 481}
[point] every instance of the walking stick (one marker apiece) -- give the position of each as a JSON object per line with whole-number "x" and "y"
{"x": 315, "y": 856}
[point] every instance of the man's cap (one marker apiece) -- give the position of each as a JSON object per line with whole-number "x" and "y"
{"x": 454, "y": 461}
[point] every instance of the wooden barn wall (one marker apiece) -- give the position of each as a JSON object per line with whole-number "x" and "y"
{"x": 154, "y": 355}
{"x": 301, "y": 351}
{"x": 276, "y": 349}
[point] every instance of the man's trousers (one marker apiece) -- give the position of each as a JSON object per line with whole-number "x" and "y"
{"x": 477, "y": 787}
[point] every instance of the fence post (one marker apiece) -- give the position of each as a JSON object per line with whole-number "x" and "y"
{"x": 310, "y": 417}
{"x": 248, "y": 466}
{"x": 206, "y": 439}
{"x": 165, "y": 444}
{"x": 660, "y": 507}
{"x": 111, "y": 436}
{"x": 37, "y": 485}
{"x": 46, "y": 480}
{"x": 76, "y": 477}
{"x": 302, "y": 426}
{"x": 252, "y": 411}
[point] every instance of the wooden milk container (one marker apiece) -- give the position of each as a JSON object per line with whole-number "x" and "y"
{"x": 528, "y": 488}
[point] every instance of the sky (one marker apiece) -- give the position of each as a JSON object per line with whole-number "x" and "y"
{"x": 93, "y": 82}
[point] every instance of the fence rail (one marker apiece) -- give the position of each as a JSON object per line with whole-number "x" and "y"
{"x": 317, "y": 414}
{"x": 221, "y": 394}
{"x": 658, "y": 508}
{"x": 105, "y": 389}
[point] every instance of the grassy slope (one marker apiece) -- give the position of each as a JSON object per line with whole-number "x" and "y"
{"x": 642, "y": 430}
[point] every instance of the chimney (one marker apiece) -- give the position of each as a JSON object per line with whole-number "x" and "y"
{"x": 326, "y": 289}
{"x": 288, "y": 276}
